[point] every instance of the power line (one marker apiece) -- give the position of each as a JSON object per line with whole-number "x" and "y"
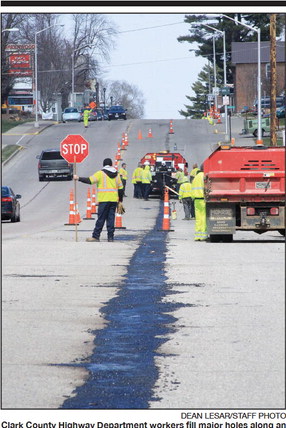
{"x": 150, "y": 28}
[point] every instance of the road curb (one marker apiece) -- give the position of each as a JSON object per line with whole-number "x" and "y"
{"x": 12, "y": 155}
{"x": 21, "y": 147}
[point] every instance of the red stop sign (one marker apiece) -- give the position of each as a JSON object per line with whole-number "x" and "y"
{"x": 74, "y": 148}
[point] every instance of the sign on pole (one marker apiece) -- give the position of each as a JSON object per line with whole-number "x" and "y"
{"x": 74, "y": 149}
{"x": 225, "y": 100}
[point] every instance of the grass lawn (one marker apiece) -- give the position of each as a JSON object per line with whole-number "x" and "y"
{"x": 9, "y": 124}
{"x": 8, "y": 151}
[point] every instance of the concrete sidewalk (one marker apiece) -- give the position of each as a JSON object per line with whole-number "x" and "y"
{"x": 29, "y": 128}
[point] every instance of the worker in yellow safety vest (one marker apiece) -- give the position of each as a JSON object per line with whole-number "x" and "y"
{"x": 200, "y": 206}
{"x": 86, "y": 114}
{"x": 180, "y": 176}
{"x": 137, "y": 181}
{"x": 123, "y": 175}
{"x": 109, "y": 195}
{"x": 185, "y": 196}
{"x": 193, "y": 173}
{"x": 146, "y": 181}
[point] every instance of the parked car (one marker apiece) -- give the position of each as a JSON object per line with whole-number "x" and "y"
{"x": 53, "y": 165}
{"x": 116, "y": 112}
{"x": 92, "y": 115}
{"x": 101, "y": 115}
{"x": 280, "y": 112}
{"x": 71, "y": 114}
{"x": 10, "y": 206}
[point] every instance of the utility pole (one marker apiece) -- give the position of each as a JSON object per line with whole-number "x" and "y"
{"x": 273, "y": 80}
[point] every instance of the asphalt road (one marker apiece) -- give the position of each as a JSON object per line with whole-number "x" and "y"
{"x": 212, "y": 314}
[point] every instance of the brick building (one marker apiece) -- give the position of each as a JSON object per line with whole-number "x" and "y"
{"x": 244, "y": 61}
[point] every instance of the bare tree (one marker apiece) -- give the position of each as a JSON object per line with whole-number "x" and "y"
{"x": 125, "y": 94}
{"x": 9, "y": 20}
{"x": 94, "y": 37}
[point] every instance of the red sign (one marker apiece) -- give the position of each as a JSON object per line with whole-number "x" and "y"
{"x": 18, "y": 48}
{"x": 74, "y": 148}
{"x": 20, "y": 61}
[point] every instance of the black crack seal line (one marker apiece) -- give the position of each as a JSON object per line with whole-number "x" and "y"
{"x": 122, "y": 371}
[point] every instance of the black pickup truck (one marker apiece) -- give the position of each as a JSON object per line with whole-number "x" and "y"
{"x": 53, "y": 166}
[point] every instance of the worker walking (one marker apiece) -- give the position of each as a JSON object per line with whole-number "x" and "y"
{"x": 86, "y": 113}
{"x": 185, "y": 196}
{"x": 200, "y": 206}
{"x": 146, "y": 181}
{"x": 137, "y": 181}
{"x": 110, "y": 197}
{"x": 123, "y": 175}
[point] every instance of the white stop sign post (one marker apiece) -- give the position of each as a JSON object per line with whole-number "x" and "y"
{"x": 74, "y": 149}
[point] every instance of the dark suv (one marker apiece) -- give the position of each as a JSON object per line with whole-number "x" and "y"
{"x": 116, "y": 112}
{"x": 53, "y": 165}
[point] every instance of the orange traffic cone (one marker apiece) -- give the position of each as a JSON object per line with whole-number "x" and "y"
{"x": 93, "y": 201}
{"x": 150, "y": 134}
{"x": 166, "y": 216}
{"x": 123, "y": 146}
{"x": 126, "y": 140}
{"x": 71, "y": 211}
{"x": 219, "y": 119}
{"x": 171, "y": 130}
{"x": 118, "y": 221}
{"x": 140, "y": 135}
{"x": 116, "y": 164}
{"x": 118, "y": 155}
{"x": 88, "y": 206}
{"x": 77, "y": 215}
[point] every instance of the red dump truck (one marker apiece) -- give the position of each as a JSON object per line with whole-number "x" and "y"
{"x": 163, "y": 166}
{"x": 244, "y": 190}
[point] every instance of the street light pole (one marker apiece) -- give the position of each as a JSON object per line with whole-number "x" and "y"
{"x": 104, "y": 90}
{"x": 10, "y": 29}
{"x": 259, "y": 131}
{"x": 36, "y": 69}
{"x": 224, "y": 69}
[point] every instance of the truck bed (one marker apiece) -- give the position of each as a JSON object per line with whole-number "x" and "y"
{"x": 245, "y": 174}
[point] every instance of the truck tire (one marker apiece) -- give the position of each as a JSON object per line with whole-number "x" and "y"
{"x": 255, "y": 133}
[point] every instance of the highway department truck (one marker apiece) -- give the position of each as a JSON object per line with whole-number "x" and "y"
{"x": 244, "y": 190}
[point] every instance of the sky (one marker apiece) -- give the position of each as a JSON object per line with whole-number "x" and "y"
{"x": 161, "y": 67}
{"x": 153, "y": 60}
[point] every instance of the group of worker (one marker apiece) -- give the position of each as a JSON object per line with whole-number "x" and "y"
{"x": 141, "y": 180}
{"x": 111, "y": 190}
